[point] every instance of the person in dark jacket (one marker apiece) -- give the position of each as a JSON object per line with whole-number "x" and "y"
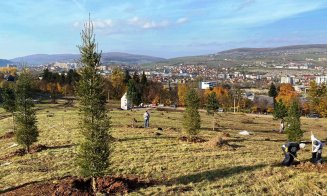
{"x": 290, "y": 149}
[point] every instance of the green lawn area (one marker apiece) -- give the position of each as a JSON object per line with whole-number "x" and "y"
{"x": 189, "y": 168}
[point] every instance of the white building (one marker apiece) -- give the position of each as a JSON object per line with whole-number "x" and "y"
{"x": 208, "y": 85}
{"x": 321, "y": 79}
{"x": 124, "y": 102}
{"x": 286, "y": 79}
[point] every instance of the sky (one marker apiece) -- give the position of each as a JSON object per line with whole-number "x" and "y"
{"x": 162, "y": 28}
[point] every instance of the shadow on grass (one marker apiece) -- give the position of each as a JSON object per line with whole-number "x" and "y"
{"x": 145, "y": 138}
{"x": 62, "y": 146}
{"x": 212, "y": 175}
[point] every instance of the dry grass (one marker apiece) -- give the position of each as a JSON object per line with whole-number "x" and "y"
{"x": 189, "y": 168}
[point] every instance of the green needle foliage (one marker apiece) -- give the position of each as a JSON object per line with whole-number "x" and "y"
{"x": 133, "y": 92}
{"x": 280, "y": 110}
{"x": 8, "y": 98}
{"x": 94, "y": 151}
{"x": 192, "y": 121}
{"x": 293, "y": 128}
{"x": 212, "y": 103}
{"x": 25, "y": 118}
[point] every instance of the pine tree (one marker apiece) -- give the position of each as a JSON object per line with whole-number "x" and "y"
{"x": 94, "y": 151}
{"x": 127, "y": 76}
{"x": 136, "y": 77}
{"x": 293, "y": 128}
{"x": 273, "y": 92}
{"x": 8, "y": 102}
{"x": 192, "y": 121}
{"x": 133, "y": 92}
{"x": 280, "y": 110}
{"x": 212, "y": 103}
{"x": 144, "y": 80}
{"x": 26, "y": 132}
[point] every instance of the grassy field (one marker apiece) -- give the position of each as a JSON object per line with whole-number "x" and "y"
{"x": 249, "y": 167}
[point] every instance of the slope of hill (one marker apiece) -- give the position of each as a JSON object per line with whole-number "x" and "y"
{"x": 4, "y": 62}
{"x": 250, "y": 55}
{"x": 110, "y": 57}
{"x": 286, "y": 50}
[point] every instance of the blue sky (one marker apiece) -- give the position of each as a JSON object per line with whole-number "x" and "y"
{"x": 164, "y": 28}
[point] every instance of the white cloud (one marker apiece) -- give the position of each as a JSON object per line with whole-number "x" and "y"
{"x": 148, "y": 24}
{"x": 181, "y": 20}
{"x": 107, "y": 23}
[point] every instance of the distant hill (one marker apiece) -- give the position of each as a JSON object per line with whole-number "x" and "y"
{"x": 110, "y": 57}
{"x": 4, "y": 62}
{"x": 250, "y": 55}
{"x": 296, "y": 49}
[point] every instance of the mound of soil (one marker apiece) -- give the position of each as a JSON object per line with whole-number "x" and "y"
{"x": 226, "y": 134}
{"x": 192, "y": 139}
{"x": 8, "y": 135}
{"x": 33, "y": 149}
{"x": 80, "y": 186}
{"x": 310, "y": 167}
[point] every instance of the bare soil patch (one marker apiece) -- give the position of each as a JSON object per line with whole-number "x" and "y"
{"x": 221, "y": 143}
{"x": 8, "y": 135}
{"x": 310, "y": 167}
{"x": 80, "y": 186}
{"x": 22, "y": 152}
{"x": 192, "y": 139}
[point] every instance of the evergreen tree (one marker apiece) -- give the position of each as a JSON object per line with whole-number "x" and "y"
{"x": 94, "y": 151}
{"x": 192, "y": 121}
{"x": 136, "y": 77}
{"x": 280, "y": 110}
{"x": 47, "y": 75}
{"x": 25, "y": 118}
{"x": 273, "y": 92}
{"x": 133, "y": 92}
{"x": 144, "y": 80}
{"x": 212, "y": 103}
{"x": 293, "y": 128}
{"x": 127, "y": 76}
{"x": 8, "y": 102}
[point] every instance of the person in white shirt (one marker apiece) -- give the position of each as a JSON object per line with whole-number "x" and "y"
{"x": 316, "y": 149}
{"x": 146, "y": 116}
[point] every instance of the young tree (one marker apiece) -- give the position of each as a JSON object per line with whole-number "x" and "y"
{"x": 273, "y": 92}
{"x": 127, "y": 76}
{"x": 212, "y": 103}
{"x": 280, "y": 110}
{"x": 8, "y": 102}
{"x": 293, "y": 128}
{"x": 25, "y": 118}
{"x": 133, "y": 93}
{"x": 192, "y": 121}
{"x": 94, "y": 151}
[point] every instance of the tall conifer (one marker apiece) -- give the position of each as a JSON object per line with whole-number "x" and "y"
{"x": 94, "y": 151}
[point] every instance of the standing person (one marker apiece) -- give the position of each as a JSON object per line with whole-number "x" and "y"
{"x": 290, "y": 150}
{"x": 146, "y": 116}
{"x": 282, "y": 126}
{"x": 316, "y": 149}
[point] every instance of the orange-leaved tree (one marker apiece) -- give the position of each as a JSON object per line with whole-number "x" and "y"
{"x": 287, "y": 94}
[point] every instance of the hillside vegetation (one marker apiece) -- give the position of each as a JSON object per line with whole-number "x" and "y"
{"x": 243, "y": 165}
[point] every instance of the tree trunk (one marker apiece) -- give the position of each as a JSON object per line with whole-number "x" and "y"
{"x": 213, "y": 121}
{"x": 94, "y": 184}
{"x": 27, "y": 149}
{"x": 13, "y": 121}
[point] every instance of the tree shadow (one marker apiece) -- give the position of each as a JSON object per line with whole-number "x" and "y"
{"x": 62, "y": 146}
{"x": 144, "y": 138}
{"x": 212, "y": 175}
